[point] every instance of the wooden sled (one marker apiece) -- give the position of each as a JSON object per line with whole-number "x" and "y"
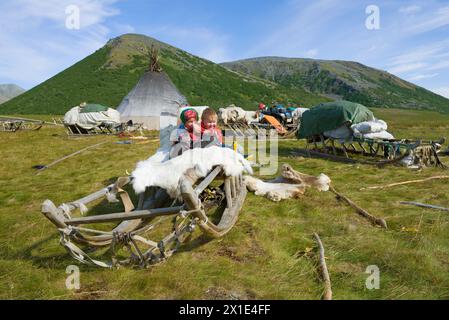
{"x": 211, "y": 204}
{"x": 259, "y": 129}
{"x": 75, "y": 131}
{"x": 375, "y": 151}
{"x": 17, "y": 125}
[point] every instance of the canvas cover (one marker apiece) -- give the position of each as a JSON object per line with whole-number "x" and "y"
{"x": 329, "y": 116}
{"x": 92, "y": 107}
{"x": 154, "y": 95}
{"x": 89, "y": 120}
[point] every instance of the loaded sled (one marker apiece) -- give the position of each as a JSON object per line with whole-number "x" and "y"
{"x": 267, "y": 127}
{"x": 421, "y": 153}
{"x": 211, "y": 204}
{"x": 340, "y": 130}
{"x": 95, "y": 119}
{"x": 75, "y": 130}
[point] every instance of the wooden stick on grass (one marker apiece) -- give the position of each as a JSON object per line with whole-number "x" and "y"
{"x": 70, "y": 155}
{"x": 374, "y": 220}
{"x": 405, "y": 183}
{"x": 324, "y": 272}
{"x": 422, "y": 205}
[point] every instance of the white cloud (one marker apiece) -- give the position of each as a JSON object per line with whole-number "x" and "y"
{"x": 420, "y": 54}
{"x": 422, "y": 76}
{"x": 444, "y": 91}
{"x": 403, "y": 68}
{"x": 426, "y": 58}
{"x": 440, "y": 65}
{"x": 432, "y": 21}
{"x": 38, "y": 43}
{"x": 410, "y": 9}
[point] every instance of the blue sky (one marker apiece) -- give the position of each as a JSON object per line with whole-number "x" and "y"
{"x": 412, "y": 41}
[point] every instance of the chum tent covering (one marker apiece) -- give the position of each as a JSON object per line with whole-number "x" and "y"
{"x": 153, "y": 96}
{"x": 91, "y": 116}
{"x": 332, "y": 115}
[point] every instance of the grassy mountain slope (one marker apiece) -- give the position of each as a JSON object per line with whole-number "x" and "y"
{"x": 110, "y": 73}
{"x": 343, "y": 80}
{"x": 9, "y": 91}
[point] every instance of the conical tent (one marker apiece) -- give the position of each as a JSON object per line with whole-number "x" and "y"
{"x": 153, "y": 96}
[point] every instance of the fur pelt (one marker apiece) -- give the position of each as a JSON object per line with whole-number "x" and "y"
{"x": 290, "y": 185}
{"x": 233, "y": 114}
{"x": 158, "y": 172}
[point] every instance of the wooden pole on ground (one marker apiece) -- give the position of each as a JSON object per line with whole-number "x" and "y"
{"x": 324, "y": 272}
{"x": 423, "y": 205}
{"x": 374, "y": 220}
{"x": 405, "y": 183}
{"x": 70, "y": 155}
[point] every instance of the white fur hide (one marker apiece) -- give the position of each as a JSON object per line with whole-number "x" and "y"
{"x": 277, "y": 190}
{"x": 159, "y": 172}
{"x": 234, "y": 114}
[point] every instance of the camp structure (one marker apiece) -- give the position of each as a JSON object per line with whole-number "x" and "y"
{"x": 153, "y": 100}
{"x": 90, "y": 119}
{"x": 336, "y": 130}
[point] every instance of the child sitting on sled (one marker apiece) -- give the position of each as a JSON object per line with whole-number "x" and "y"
{"x": 188, "y": 135}
{"x": 211, "y": 134}
{"x": 192, "y": 134}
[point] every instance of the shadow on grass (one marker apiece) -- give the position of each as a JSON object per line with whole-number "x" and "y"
{"x": 55, "y": 261}
{"x": 194, "y": 244}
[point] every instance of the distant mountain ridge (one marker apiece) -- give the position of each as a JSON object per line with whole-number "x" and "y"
{"x": 342, "y": 80}
{"x": 9, "y": 91}
{"x": 110, "y": 73}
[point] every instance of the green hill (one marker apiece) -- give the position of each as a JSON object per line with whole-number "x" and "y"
{"x": 108, "y": 75}
{"x": 342, "y": 80}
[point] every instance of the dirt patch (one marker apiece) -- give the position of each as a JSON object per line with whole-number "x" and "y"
{"x": 231, "y": 253}
{"x": 255, "y": 250}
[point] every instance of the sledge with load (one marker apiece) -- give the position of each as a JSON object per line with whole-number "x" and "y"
{"x": 269, "y": 122}
{"x": 331, "y": 132}
{"x": 95, "y": 119}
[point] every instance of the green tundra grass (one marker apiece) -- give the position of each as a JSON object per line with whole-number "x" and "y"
{"x": 270, "y": 253}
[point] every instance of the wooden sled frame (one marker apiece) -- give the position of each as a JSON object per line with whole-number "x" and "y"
{"x": 241, "y": 129}
{"x": 391, "y": 151}
{"x": 187, "y": 213}
{"x": 16, "y": 125}
{"x": 74, "y": 131}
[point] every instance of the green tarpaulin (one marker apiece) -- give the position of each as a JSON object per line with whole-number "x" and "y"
{"x": 332, "y": 115}
{"x": 93, "y": 108}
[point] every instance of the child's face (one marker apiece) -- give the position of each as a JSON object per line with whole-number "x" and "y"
{"x": 189, "y": 124}
{"x": 210, "y": 123}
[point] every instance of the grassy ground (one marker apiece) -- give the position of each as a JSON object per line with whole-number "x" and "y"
{"x": 265, "y": 255}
